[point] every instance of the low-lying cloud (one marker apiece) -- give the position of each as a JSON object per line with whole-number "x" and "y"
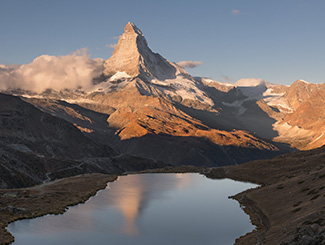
{"x": 189, "y": 64}
{"x": 51, "y": 72}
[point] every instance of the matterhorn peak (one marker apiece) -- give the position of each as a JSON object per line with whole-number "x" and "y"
{"x": 133, "y": 56}
{"x": 132, "y": 28}
{"x": 133, "y": 33}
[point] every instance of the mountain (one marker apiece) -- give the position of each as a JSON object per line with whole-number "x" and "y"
{"x": 133, "y": 57}
{"x": 290, "y": 115}
{"x": 36, "y": 147}
{"x": 288, "y": 207}
{"x": 144, "y": 105}
{"x": 144, "y": 94}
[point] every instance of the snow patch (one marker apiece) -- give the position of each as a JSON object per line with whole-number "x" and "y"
{"x": 303, "y": 81}
{"x": 116, "y": 82}
{"x": 183, "y": 87}
{"x": 208, "y": 80}
{"x": 256, "y": 89}
{"x": 318, "y": 137}
{"x": 275, "y": 99}
{"x": 119, "y": 75}
{"x": 286, "y": 131}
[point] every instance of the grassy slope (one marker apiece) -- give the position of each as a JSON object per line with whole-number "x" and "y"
{"x": 288, "y": 207}
{"x": 290, "y": 204}
{"x": 51, "y": 198}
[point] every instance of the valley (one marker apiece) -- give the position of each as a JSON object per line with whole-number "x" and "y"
{"x": 288, "y": 207}
{"x": 141, "y": 113}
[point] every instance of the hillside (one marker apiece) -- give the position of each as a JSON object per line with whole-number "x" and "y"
{"x": 288, "y": 208}
{"x": 37, "y": 147}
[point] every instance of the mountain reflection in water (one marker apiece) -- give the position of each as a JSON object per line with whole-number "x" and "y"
{"x": 146, "y": 209}
{"x": 131, "y": 197}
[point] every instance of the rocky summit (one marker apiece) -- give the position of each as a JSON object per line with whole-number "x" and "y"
{"x": 133, "y": 57}
{"x": 84, "y": 121}
{"x": 143, "y": 105}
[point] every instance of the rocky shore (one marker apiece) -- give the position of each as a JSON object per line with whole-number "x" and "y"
{"x": 50, "y": 198}
{"x": 288, "y": 207}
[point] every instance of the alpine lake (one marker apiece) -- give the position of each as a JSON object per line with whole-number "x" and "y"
{"x": 146, "y": 209}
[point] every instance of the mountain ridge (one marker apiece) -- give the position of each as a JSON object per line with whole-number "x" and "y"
{"x": 133, "y": 56}
{"x": 145, "y": 97}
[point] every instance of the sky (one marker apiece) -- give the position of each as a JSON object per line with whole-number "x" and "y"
{"x": 279, "y": 41}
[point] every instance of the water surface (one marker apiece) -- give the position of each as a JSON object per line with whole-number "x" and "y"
{"x": 146, "y": 209}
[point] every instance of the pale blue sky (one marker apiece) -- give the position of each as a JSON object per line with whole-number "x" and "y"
{"x": 279, "y": 40}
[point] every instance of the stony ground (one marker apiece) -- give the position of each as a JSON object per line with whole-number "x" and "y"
{"x": 288, "y": 208}
{"x": 50, "y": 198}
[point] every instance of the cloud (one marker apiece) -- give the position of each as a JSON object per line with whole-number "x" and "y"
{"x": 111, "y": 45}
{"x": 189, "y": 64}
{"x": 250, "y": 82}
{"x": 235, "y": 11}
{"x": 51, "y": 72}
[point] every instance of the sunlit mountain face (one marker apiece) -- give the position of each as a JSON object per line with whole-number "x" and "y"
{"x": 139, "y": 103}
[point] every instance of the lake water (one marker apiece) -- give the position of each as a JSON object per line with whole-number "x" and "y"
{"x": 146, "y": 209}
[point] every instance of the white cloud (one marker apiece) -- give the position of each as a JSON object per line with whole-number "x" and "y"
{"x": 235, "y": 11}
{"x": 250, "y": 82}
{"x": 189, "y": 64}
{"x": 51, "y": 72}
{"x": 111, "y": 45}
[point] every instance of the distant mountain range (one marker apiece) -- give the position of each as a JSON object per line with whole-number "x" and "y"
{"x": 143, "y": 106}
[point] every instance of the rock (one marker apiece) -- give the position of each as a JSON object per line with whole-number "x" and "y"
{"x": 17, "y": 210}
{"x": 306, "y": 240}
{"x": 10, "y": 208}
{"x": 133, "y": 56}
{"x": 315, "y": 228}
{"x": 11, "y": 194}
{"x": 323, "y": 242}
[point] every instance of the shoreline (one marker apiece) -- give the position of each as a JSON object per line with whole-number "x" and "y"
{"x": 257, "y": 217}
{"x": 288, "y": 207}
{"x": 50, "y": 198}
{"x": 288, "y": 204}
{"x": 88, "y": 192}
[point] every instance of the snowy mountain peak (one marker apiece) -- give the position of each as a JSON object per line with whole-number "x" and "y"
{"x": 133, "y": 56}
{"x": 302, "y": 81}
{"x": 134, "y": 59}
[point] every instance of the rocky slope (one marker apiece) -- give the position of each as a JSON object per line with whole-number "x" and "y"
{"x": 133, "y": 57}
{"x": 37, "y": 147}
{"x": 292, "y": 115}
{"x": 145, "y": 105}
{"x": 288, "y": 208}
{"x": 145, "y": 99}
